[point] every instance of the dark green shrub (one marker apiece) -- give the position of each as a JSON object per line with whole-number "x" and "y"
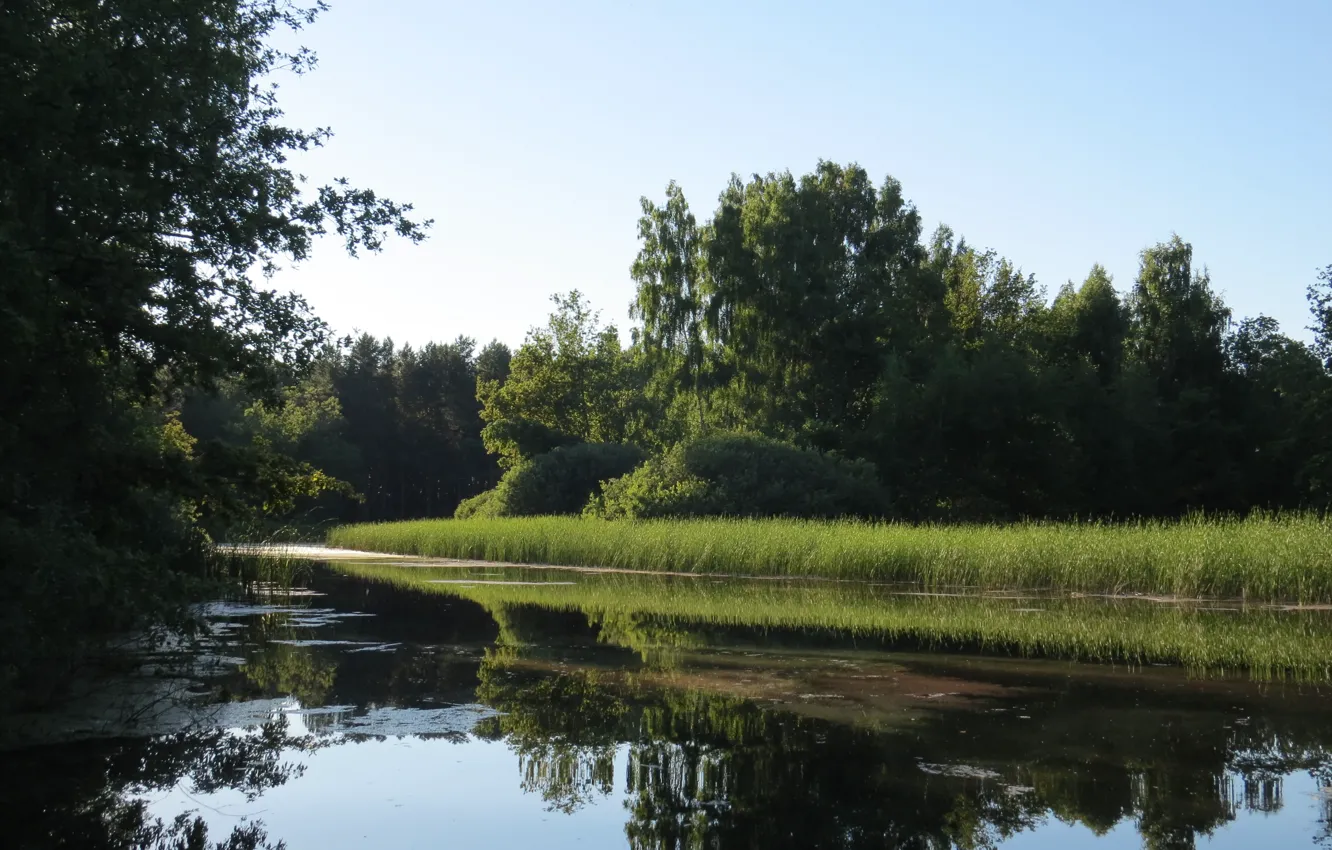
{"x": 480, "y": 505}
{"x": 557, "y": 482}
{"x": 519, "y": 441}
{"x": 743, "y": 476}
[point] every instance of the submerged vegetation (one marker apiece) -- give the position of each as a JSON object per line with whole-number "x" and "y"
{"x": 655, "y": 612}
{"x": 1256, "y": 559}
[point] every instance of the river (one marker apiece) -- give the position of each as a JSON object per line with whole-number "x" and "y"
{"x": 360, "y": 712}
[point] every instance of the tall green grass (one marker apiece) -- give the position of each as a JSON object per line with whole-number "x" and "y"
{"x": 1260, "y": 558}
{"x": 1264, "y": 642}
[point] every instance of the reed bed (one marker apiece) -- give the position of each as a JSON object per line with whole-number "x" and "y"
{"x": 1260, "y": 558}
{"x": 1263, "y": 642}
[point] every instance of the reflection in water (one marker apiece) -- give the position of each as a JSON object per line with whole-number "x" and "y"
{"x": 699, "y": 736}
{"x": 1207, "y": 638}
{"x": 707, "y": 770}
{"x": 95, "y": 795}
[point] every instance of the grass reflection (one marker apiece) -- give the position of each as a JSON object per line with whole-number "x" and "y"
{"x": 660, "y": 613}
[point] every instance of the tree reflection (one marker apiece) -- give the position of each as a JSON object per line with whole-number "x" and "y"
{"x": 659, "y": 643}
{"x": 291, "y": 670}
{"x": 92, "y": 795}
{"x": 595, "y": 706}
{"x": 708, "y": 770}
{"x": 563, "y": 729}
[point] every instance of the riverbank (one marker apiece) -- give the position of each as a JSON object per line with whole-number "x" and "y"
{"x": 1259, "y": 559}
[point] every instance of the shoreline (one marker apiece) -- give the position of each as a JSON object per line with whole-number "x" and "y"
{"x": 316, "y": 552}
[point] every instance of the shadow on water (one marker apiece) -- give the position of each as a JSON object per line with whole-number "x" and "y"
{"x": 631, "y": 726}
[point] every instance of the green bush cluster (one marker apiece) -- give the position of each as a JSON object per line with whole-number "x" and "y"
{"x": 481, "y": 505}
{"x": 557, "y": 482}
{"x": 741, "y": 475}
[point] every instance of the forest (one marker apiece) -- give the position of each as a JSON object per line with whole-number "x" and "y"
{"x": 809, "y": 329}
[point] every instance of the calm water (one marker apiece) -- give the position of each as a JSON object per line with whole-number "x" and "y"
{"x": 358, "y": 714}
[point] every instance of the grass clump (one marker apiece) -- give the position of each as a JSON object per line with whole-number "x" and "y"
{"x": 1260, "y": 558}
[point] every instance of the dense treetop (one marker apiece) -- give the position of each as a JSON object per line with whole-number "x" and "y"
{"x": 813, "y": 311}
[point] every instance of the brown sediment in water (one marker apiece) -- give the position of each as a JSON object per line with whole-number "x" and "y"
{"x": 878, "y": 691}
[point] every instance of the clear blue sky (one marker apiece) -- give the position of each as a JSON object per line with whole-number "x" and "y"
{"x": 1059, "y": 133}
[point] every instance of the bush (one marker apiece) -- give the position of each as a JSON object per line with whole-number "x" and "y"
{"x": 519, "y": 441}
{"x": 557, "y": 482}
{"x": 481, "y": 505}
{"x": 742, "y": 476}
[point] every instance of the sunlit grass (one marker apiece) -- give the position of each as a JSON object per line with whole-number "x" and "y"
{"x": 1263, "y": 641}
{"x": 1257, "y": 559}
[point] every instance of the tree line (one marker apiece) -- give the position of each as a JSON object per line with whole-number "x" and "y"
{"x": 814, "y": 312}
{"x": 398, "y": 427}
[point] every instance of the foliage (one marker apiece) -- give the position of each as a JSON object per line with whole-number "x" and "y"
{"x": 97, "y": 795}
{"x": 569, "y": 382}
{"x": 1320, "y": 303}
{"x": 810, "y": 309}
{"x": 1258, "y": 558}
{"x": 398, "y": 429}
{"x": 742, "y": 475}
{"x": 519, "y": 441}
{"x": 986, "y": 296}
{"x": 479, "y": 505}
{"x": 414, "y": 421}
{"x": 560, "y": 481}
{"x": 255, "y": 455}
{"x": 672, "y": 301}
{"x": 1088, "y": 325}
{"x": 145, "y": 175}
{"x": 811, "y": 280}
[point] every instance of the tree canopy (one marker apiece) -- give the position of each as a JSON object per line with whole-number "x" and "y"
{"x": 144, "y": 190}
{"x": 812, "y": 310}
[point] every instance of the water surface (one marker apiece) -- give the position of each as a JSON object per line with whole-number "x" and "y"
{"x": 481, "y": 707}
